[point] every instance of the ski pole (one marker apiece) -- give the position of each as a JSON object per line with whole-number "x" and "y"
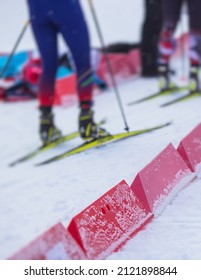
{"x": 108, "y": 63}
{"x": 14, "y": 48}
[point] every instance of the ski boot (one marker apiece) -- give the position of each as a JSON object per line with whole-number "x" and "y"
{"x": 164, "y": 75}
{"x": 88, "y": 129}
{"x": 194, "y": 79}
{"x": 48, "y": 131}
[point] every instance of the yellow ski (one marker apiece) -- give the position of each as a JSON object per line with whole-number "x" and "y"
{"x": 101, "y": 141}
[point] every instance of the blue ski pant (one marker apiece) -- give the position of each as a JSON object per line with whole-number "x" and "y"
{"x": 48, "y": 19}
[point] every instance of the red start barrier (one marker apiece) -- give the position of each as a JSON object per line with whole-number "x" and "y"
{"x": 105, "y": 225}
{"x": 124, "y": 66}
{"x": 190, "y": 149}
{"x": 54, "y": 244}
{"x": 161, "y": 179}
{"x": 66, "y": 91}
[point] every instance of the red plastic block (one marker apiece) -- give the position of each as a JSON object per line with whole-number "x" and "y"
{"x": 66, "y": 91}
{"x": 54, "y": 244}
{"x": 105, "y": 225}
{"x": 190, "y": 149}
{"x": 161, "y": 179}
{"x": 124, "y": 66}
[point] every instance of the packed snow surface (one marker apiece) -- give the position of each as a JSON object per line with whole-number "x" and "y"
{"x": 32, "y": 199}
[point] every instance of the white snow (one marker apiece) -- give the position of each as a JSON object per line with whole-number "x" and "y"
{"x": 32, "y": 199}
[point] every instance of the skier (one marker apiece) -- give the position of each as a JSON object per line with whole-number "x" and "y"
{"x": 48, "y": 18}
{"x": 171, "y": 15}
{"x": 150, "y": 37}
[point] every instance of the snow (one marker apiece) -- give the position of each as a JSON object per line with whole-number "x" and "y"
{"x": 33, "y": 199}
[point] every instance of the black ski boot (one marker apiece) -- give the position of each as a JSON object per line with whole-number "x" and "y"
{"x": 48, "y": 131}
{"x": 194, "y": 79}
{"x": 88, "y": 129}
{"x": 164, "y": 77}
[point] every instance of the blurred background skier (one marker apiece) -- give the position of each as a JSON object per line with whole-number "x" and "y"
{"x": 171, "y": 15}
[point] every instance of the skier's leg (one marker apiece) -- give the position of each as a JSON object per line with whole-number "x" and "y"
{"x": 167, "y": 44}
{"x": 171, "y": 12}
{"x": 74, "y": 30}
{"x": 46, "y": 38}
{"x": 79, "y": 44}
{"x": 150, "y": 36}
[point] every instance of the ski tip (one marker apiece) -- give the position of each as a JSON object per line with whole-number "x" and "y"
{"x": 135, "y": 102}
{"x": 43, "y": 163}
{"x": 169, "y": 123}
{"x": 132, "y": 103}
{"x": 40, "y": 164}
{"x": 164, "y": 105}
{"x": 14, "y": 163}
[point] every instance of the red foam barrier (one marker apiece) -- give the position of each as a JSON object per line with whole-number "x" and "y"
{"x": 190, "y": 149}
{"x": 123, "y": 66}
{"x": 161, "y": 179}
{"x": 66, "y": 91}
{"x": 55, "y": 244}
{"x": 105, "y": 225}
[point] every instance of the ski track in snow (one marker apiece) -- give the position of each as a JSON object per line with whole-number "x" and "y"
{"x": 33, "y": 199}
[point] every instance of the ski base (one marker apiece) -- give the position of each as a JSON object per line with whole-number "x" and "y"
{"x": 100, "y": 141}
{"x": 158, "y": 94}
